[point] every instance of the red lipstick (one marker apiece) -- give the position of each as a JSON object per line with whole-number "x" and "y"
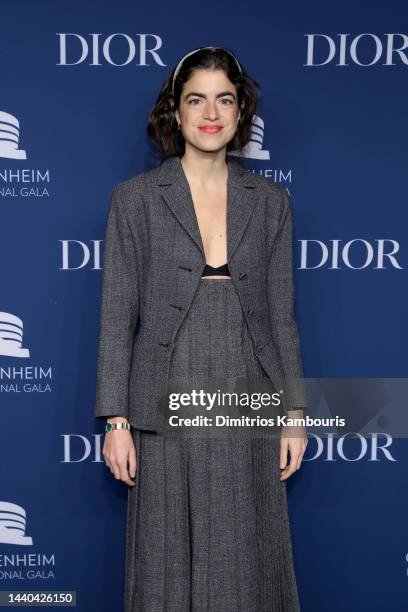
{"x": 210, "y": 129}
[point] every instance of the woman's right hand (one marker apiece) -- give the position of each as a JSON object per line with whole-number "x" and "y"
{"x": 120, "y": 455}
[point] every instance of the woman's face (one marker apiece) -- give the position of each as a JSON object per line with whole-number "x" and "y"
{"x": 208, "y": 110}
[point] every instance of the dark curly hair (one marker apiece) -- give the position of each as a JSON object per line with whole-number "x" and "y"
{"x": 162, "y": 123}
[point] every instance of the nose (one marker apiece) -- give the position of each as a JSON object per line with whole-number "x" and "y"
{"x": 211, "y": 110}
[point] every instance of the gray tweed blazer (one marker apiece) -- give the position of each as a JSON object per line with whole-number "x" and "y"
{"x": 153, "y": 261}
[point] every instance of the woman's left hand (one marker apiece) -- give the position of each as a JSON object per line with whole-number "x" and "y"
{"x": 293, "y": 439}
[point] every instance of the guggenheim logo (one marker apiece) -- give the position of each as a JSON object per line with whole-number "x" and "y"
{"x": 254, "y": 149}
{"x": 11, "y": 336}
{"x": 9, "y": 137}
{"x": 13, "y": 525}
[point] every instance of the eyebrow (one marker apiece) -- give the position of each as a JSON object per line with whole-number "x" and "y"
{"x": 201, "y": 95}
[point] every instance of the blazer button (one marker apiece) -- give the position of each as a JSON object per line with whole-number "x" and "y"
{"x": 250, "y": 312}
{"x": 259, "y": 349}
{"x": 242, "y": 275}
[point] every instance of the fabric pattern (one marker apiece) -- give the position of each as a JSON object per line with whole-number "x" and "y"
{"x": 207, "y": 524}
{"x": 153, "y": 262}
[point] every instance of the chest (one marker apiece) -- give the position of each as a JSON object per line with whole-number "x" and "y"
{"x": 179, "y": 230}
{"x": 210, "y": 208}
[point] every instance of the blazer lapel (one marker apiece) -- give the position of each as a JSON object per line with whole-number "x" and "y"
{"x": 242, "y": 196}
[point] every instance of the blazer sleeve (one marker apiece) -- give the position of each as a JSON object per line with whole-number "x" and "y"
{"x": 282, "y": 306}
{"x": 119, "y": 312}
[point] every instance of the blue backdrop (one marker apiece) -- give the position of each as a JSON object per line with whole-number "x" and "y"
{"x": 77, "y": 82}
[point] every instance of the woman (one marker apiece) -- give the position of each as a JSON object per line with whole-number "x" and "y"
{"x": 198, "y": 252}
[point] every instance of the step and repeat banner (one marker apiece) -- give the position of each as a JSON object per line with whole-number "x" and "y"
{"x": 78, "y": 80}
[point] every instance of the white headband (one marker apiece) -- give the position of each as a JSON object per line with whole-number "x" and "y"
{"x": 177, "y": 70}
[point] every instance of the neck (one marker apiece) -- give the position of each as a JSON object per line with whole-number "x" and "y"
{"x": 205, "y": 170}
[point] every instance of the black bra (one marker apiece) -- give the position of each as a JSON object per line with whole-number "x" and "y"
{"x": 220, "y": 271}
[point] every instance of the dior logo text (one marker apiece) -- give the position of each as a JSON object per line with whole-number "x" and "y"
{"x": 117, "y": 49}
{"x": 375, "y": 447}
{"x": 356, "y": 254}
{"x": 78, "y": 448}
{"x": 366, "y": 49}
{"x": 77, "y": 254}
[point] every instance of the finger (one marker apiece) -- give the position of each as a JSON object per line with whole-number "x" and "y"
{"x": 108, "y": 462}
{"x": 300, "y": 459}
{"x": 283, "y": 453}
{"x": 106, "y": 455}
{"x": 294, "y": 457}
{"x": 124, "y": 475}
{"x": 285, "y": 473}
{"x": 115, "y": 470}
{"x": 132, "y": 463}
{"x": 291, "y": 468}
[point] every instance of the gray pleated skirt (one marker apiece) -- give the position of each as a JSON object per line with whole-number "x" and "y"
{"x": 207, "y": 524}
